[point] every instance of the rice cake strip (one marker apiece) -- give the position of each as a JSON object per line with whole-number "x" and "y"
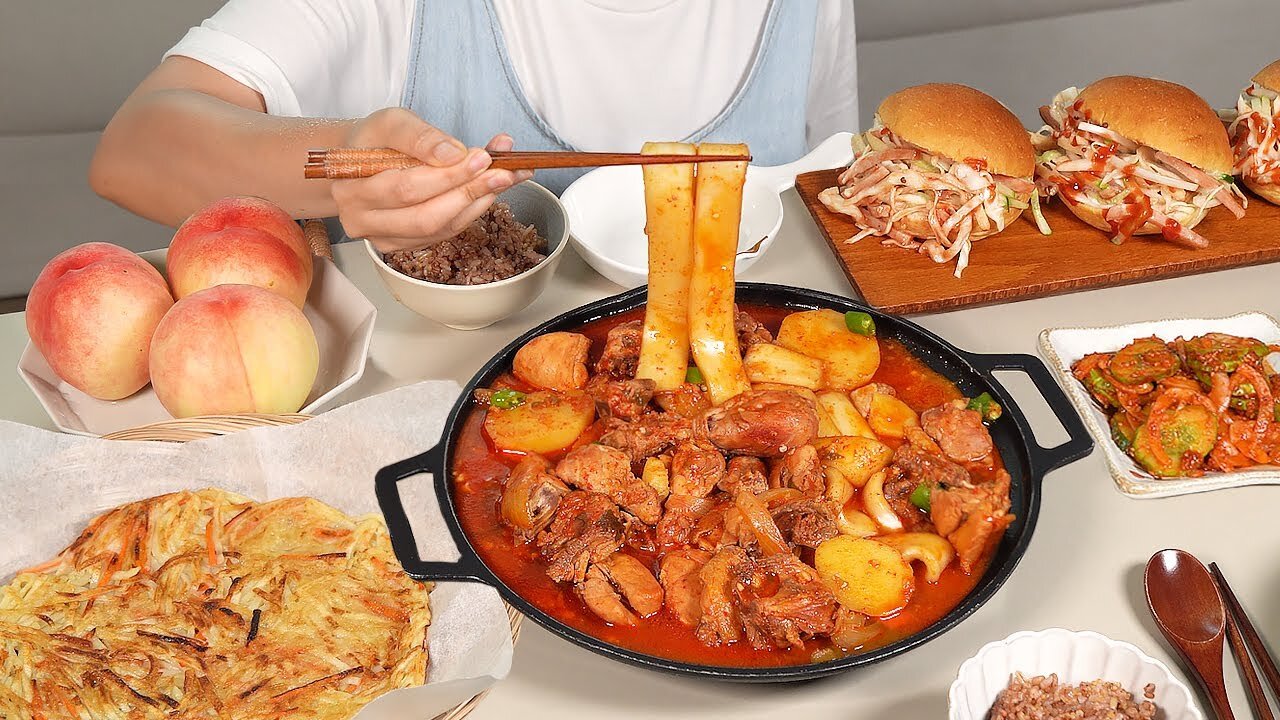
{"x": 668, "y": 202}
{"x": 717, "y": 215}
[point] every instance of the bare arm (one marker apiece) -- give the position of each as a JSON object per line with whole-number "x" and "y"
{"x": 190, "y": 134}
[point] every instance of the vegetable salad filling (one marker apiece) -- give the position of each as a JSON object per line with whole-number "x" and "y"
{"x": 1252, "y": 127}
{"x": 1133, "y": 186}
{"x": 921, "y": 201}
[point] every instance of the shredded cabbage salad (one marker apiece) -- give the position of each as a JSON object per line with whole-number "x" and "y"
{"x": 1132, "y": 186}
{"x": 921, "y": 201}
{"x": 1252, "y": 127}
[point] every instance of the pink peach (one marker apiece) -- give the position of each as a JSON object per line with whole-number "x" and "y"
{"x": 233, "y": 349}
{"x": 241, "y": 240}
{"x": 91, "y": 314}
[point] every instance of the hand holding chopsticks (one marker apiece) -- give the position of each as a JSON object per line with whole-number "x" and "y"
{"x": 347, "y": 163}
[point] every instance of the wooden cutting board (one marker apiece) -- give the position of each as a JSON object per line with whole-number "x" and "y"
{"x": 1020, "y": 263}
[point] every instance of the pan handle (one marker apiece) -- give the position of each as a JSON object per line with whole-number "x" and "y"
{"x": 467, "y": 568}
{"x": 1078, "y": 444}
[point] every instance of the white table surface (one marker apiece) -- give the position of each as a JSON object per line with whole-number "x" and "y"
{"x": 1083, "y": 569}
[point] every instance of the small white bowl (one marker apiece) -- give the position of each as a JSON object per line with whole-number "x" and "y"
{"x": 1063, "y": 347}
{"x": 471, "y": 307}
{"x": 1075, "y": 657}
{"x": 340, "y": 315}
{"x": 606, "y": 212}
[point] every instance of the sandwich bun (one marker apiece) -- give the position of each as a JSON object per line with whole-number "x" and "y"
{"x": 1162, "y": 115}
{"x": 960, "y": 123}
{"x": 1269, "y": 77}
{"x": 1267, "y": 191}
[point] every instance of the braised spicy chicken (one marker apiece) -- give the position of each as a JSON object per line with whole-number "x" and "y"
{"x": 1187, "y": 407}
{"x": 784, "y": 518}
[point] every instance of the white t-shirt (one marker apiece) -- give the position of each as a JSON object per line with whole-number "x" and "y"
{"x": 347, "y": 58}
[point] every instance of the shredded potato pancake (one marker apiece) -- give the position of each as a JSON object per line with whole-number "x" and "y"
{"x": 209, "y": 605}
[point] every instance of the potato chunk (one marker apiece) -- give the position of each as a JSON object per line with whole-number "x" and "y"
{"x": 848, "y": 359}
{"x": 853, "y": 458}
{"x": 546, "y": 422}
{"x": 866, "y": 576}
{"x": 889, "y": 416}
{"x": 768, "y": 363}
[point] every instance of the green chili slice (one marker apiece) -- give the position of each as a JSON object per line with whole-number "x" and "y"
{"x": 506, "y": 399}
{"x": 860, "y": 323}
{"x": 694, "y": 375}
{"x": 920, "y": 497}
{"x": 986, "y": 406}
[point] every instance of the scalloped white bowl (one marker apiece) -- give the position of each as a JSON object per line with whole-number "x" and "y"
{"x": 1076, "y": 657}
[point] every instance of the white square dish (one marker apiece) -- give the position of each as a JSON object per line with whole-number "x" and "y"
{"x": 341, "y": 316}
{"x": 1062, "y": 347}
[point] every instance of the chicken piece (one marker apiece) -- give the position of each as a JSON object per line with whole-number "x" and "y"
{"x": 651, "y": 435}
{"x": 607, "y": 470}
{"x": 636, "y": 583}
{"x": 898, "y": 486}
{"x": 585, "y": 528}
{"x": 783, "y": 602}
{"x": 695, "y": 471}
{"x": 806, "y": 522}
{"x": 801, "y": 469}
{"x": 746, "y": 473}
{"x": 679, "y": 574}
{"x": 555, "y": 361}
{"x": 530, "y": 496}
{"x": 750, "y": 331}
{"x": 718, "y": 619}
{"x": 923, "y": 467}
{"x": 972, "y": 517}
{"x": 622, "y": 399}
{"x": 763, "y": 423}
{"x": 681, "y": 514}
{"x": 958, "y": 431}
{"x": 688, "y": 400}
{"x": 602, "y": 599}
{"x": 621, "y": 353}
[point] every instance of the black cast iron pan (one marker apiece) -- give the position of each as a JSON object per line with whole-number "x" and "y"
{"x": 1026, "y": 461}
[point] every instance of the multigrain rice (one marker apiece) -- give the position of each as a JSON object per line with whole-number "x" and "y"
{"x": 495, "y": 247}
{"x": 1043, "y": 698}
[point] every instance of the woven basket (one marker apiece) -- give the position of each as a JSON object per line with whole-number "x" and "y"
{"x": 207, "y": 426}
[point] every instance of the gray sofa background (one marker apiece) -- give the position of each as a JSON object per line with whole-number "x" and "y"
{"x": 53, "y": 103}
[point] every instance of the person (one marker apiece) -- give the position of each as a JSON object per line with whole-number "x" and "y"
{"x": 233, "y": 107}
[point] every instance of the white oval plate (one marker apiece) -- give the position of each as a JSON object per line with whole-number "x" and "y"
{"x": 1062, "y": 347}
{"x": 1075, "y": 657}
{"x": 341, "y": 316}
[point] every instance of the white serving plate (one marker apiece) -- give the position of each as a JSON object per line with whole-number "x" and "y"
{"x": 1075, "y": 657}
{"x": 1062, "y": 347}
{"x": 341, "y": 316}
{"x": 607, "y": 215}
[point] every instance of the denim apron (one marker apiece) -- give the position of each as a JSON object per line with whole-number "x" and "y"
{"x": 461, "y": 80}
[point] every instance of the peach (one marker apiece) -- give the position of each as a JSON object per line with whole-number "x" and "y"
{"x": 242, "y": 241}
{"x": 233, "y": 349}
{"x": 91, "y": 313}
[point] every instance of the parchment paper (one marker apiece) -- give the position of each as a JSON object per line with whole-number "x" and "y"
{"x": 51, "y": 485}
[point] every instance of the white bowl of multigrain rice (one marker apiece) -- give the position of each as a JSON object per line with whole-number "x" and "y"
{"x": 1074, "y": 657}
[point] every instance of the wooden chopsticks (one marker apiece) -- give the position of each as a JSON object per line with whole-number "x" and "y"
{"x": 347, "y": 163}
{"x": 1238, "y": 625}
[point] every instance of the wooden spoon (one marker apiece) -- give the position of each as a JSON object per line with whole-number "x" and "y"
{"x": 1187, "y": 607}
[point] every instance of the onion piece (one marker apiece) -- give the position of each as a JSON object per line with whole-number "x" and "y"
{"x": 874, "y": 502}
{"x": 762, "y": 525}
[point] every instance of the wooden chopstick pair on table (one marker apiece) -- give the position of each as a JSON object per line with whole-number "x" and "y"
{"x": 1244, "y": 638}
{"x": 347, "y": 163}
